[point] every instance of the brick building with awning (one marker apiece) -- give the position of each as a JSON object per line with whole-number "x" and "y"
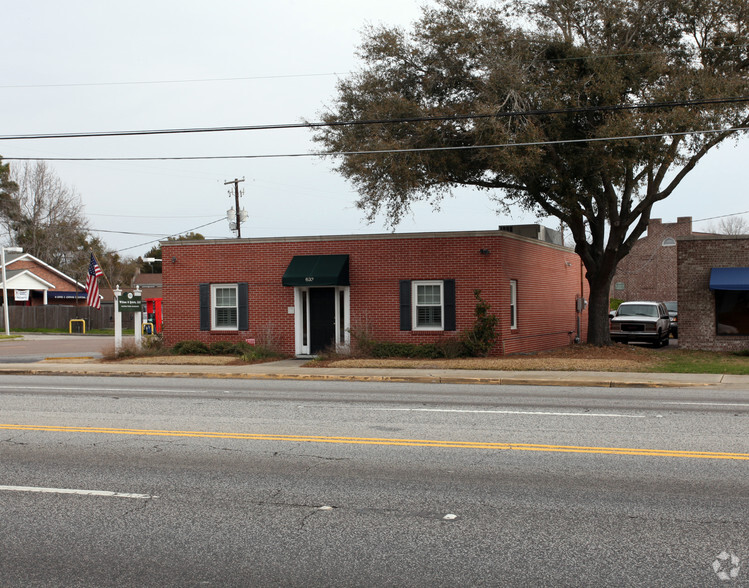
{"x": 305, "y": 294}
{"x": 713, "y": 290}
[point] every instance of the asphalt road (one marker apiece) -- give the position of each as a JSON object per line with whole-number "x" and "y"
{"x": 37, "y": 347}
{"x": 236, "y": 483}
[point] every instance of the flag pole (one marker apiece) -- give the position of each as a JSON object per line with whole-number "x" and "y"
{"x": 102, "y": 271}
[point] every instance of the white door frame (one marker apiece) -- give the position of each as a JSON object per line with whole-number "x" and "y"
{"x": 302, "y": 319}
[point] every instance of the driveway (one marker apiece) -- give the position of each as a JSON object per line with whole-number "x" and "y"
{"x": 37, "y": 347}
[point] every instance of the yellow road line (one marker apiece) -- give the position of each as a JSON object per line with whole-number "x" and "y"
{"x": 384, "y": 441}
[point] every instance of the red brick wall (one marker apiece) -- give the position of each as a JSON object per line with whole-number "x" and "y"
{"x": 43, "y": 273}
{"x": 696, "y": 257}
{"x": 47, "y": 275}
{"x": 548, "y": 283}
{"x": 649, "y": 271}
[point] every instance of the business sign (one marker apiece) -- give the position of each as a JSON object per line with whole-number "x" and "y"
{"x": 130, "y": 303}
{"x": 21, "y": 295}
{"x": 66, "y": 295}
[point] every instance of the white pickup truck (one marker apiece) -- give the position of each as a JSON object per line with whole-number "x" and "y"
{"x": 646, "y": 322}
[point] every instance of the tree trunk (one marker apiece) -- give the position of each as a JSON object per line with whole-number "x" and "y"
{"x": 598, "y": 311}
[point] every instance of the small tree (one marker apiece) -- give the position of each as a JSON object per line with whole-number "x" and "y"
{"x": 480, "y": 339}
{"x": 732, "y": 225}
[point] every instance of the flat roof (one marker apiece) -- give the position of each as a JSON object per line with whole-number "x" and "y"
{"x": 369, "y": 236}
{"x": 712, "y": 237}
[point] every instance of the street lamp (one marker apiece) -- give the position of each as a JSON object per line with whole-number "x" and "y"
{"x": 5, "y": 285}
{"x": 151, "y": 261}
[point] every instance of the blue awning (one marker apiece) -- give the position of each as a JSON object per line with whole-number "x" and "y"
{"x": 729, "y": 278}
{"x": 81, "y": 295}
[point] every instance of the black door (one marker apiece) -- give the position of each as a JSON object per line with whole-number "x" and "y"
{"x": 321, "y": 318}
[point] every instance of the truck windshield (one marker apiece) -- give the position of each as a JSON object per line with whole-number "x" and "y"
{"x": 637, "y": 310}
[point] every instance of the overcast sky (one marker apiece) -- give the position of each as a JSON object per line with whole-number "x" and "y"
{"x": 100, "y": 66}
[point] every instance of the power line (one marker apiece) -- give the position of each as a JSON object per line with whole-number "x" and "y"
{"x": 386, "y": 151}
{"x": 165, "y": 236}
{"x": 313, "y": 125}
{"x": 699, "y": 220}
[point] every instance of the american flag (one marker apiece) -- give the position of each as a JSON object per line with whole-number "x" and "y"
{"x": 92, "y": 283}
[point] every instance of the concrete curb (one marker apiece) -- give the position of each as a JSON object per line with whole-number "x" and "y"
{"x": 528, "y": 380}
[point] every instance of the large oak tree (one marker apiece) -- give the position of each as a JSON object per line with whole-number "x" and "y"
{"x": 605, "y": 106}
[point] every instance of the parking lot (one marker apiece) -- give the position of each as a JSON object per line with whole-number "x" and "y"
{"x": 37, "y": 347}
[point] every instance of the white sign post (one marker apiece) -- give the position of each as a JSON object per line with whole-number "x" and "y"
{"x": 137, "y": 320}
{"x": 117, "y": 320}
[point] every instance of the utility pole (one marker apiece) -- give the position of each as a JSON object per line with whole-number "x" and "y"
{"x": 235, "y": 181}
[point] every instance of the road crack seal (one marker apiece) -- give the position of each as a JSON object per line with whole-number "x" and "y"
{"x": 11, "y": 441}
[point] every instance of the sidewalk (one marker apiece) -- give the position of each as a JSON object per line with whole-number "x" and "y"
{"x": 294, "y": 369}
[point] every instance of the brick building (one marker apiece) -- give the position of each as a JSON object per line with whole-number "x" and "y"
{"x": 32, "y": 282}
{"x": 713, "y": 292}
{"x": 303, "y": 294}
{"x": 649, "y": 271}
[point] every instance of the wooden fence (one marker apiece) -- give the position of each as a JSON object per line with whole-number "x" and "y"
{"x": 58, "y": 316}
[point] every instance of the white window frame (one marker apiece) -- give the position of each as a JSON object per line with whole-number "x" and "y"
{"x": 415, "y": 305}
{"x": 214, "y": 307}
{"x": 513, "y": 304}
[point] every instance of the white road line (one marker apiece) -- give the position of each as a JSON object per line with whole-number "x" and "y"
{"x": 528, "y": 412}
{"x": 744, "y": 404}
{"x": 106, "y": 493}
{"x": 80, "y": 389}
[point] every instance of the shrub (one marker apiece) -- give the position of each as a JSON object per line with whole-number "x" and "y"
{"x": 451, "y": 347}
{"x": 153, "y": 342}
{"x": 446, "y": 348}
{"x": 362, "y": 343}
{"x": 480, "y": 339}
{"x": 128, "y": 350}
{"x": 223, "y": 348}
{"x": 241, "y": 347}
{"x": 190, "y": 348}
{"x": 260, "y": 353}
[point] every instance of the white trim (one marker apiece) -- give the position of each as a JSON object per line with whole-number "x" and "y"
{"x": 31, "y": 278}
{"x": 513, "y": 305}
{"x": 414, "y": 305}
{"x": 301, "y": 299}
{"x": 343, "y": 343}
{"x": 214, "y": 287}
{"x": 21, "y": 256}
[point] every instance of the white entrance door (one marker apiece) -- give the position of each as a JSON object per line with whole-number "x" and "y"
{"x": 322, "y": 319}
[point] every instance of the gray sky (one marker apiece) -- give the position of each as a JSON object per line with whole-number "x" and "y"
{"x": 100, "y": 66}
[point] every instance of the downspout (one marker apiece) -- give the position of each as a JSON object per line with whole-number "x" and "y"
{"x": 579, "y": 307}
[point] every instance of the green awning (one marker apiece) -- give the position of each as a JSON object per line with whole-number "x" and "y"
{"x": 317, "y": 270}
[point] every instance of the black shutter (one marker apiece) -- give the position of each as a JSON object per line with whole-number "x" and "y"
{"x": 243, "y": 315}
{"x": 449, "y": 287}
{"x": 205, "y": 307}
{"x": 405, "y": 302}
